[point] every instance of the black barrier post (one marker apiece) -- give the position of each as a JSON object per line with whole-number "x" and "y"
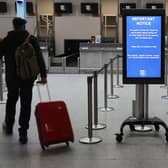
{"x": 117, "y": 74}
{"x": 90, "y": 139}
{"x": 90, "y": 107}
{"x": 112, "y": 96}
{"x": 166, "y": 79}
{"x": 1, "y": 84}
{"x": 105, "y": 108}
{"x": 96, "y": 125}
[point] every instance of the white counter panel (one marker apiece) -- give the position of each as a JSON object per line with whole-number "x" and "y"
{"x": 95, "y": 58}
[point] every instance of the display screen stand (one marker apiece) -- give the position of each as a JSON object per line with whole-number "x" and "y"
{"x": 143, "y": 63}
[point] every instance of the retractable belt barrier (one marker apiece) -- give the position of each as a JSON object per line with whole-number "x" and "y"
{"x": 97, "y": 126}
{"x": 90, "y": 139}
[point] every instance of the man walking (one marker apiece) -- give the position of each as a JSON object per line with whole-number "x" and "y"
{"x": 16, "y": 86}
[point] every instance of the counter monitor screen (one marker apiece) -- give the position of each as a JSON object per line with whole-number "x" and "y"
{"x": 3, "y": 7}
{"x": 143, "y": 46}
{"x": 65, "y": 7}
{"x": 89, "y": 8}
{"x": 124, "y": 6}
{"x": 154, "y": 5}
{"x": 29, "y": 7}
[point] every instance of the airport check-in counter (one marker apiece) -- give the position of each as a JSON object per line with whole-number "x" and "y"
{"x": 94, "y": 56}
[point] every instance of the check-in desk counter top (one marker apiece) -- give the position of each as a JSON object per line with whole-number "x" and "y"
{"x": 94, "y": 56}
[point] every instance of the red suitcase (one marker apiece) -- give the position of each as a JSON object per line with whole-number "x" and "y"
{"x": 53, "y": 123}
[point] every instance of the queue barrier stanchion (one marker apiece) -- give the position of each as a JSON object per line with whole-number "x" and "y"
{"x": 64, "y": 63}
{"x": 105, "y": 108}
{"x": 112, "y": 95}
{"x": 166, "y": 80}
{"x": 2, "y": 101}
{"x": 90, "y": 139}
{"x": 96, "y": 125}
{"x": 118, "y": 73}
{"x": 1, "y": 82}
{"x": 78, "y": 63}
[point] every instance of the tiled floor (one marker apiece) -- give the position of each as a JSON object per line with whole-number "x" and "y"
{"x": 137, "y": 150}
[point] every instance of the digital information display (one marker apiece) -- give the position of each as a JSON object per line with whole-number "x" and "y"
{"x": 21, "y": 8}
{"x": 144, "y": 47}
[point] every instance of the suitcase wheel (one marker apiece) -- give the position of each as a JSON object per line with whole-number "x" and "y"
{"x": 44, "y": 147}
{"x": 67, "y": 143}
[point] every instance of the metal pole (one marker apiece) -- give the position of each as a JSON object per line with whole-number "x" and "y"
{"x": 134, "y": 108}
{"x": 38, "y": 84}
{"x": 117, "y": 74}
{"x": 1, "y": 83}
{"x": 105, "y": 86}
{"x": 90, "y": 139}
{"x": 78, "y": 63}
{"x": 112, "y": 96}
{"x": 96, "y": 125}
{"x": 142, "y": 106}
{"x": 146, "y": 102}
{"x": 64, "y": 63}
{"x": 139, "y": 101}
{"x": 166, "y": 70}
{"x": 105, "y": 108}
{"x": 90, "y": 107}
{"x": 166, "y": 82}
{"x": 95, "y": 99}
{"x": 117, "y": 71}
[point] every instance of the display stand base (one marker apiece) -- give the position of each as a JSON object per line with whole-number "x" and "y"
{"x": 133, "y": 122}
{"x": 142, "y": 128}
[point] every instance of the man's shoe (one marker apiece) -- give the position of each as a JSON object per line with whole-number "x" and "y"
{"x": 23, "y": 139}
{"x": 7, "y": 130}
{"x": 23, "y": 136}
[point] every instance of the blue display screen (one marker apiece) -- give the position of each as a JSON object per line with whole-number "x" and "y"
{"x": 21, "y": 8}
{"x": 143, "y": 46}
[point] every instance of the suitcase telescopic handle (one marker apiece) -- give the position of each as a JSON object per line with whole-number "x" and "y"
{"x": 39, "y": 92}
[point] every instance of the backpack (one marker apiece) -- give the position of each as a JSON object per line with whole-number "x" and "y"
{"x": 27, "y": 67}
